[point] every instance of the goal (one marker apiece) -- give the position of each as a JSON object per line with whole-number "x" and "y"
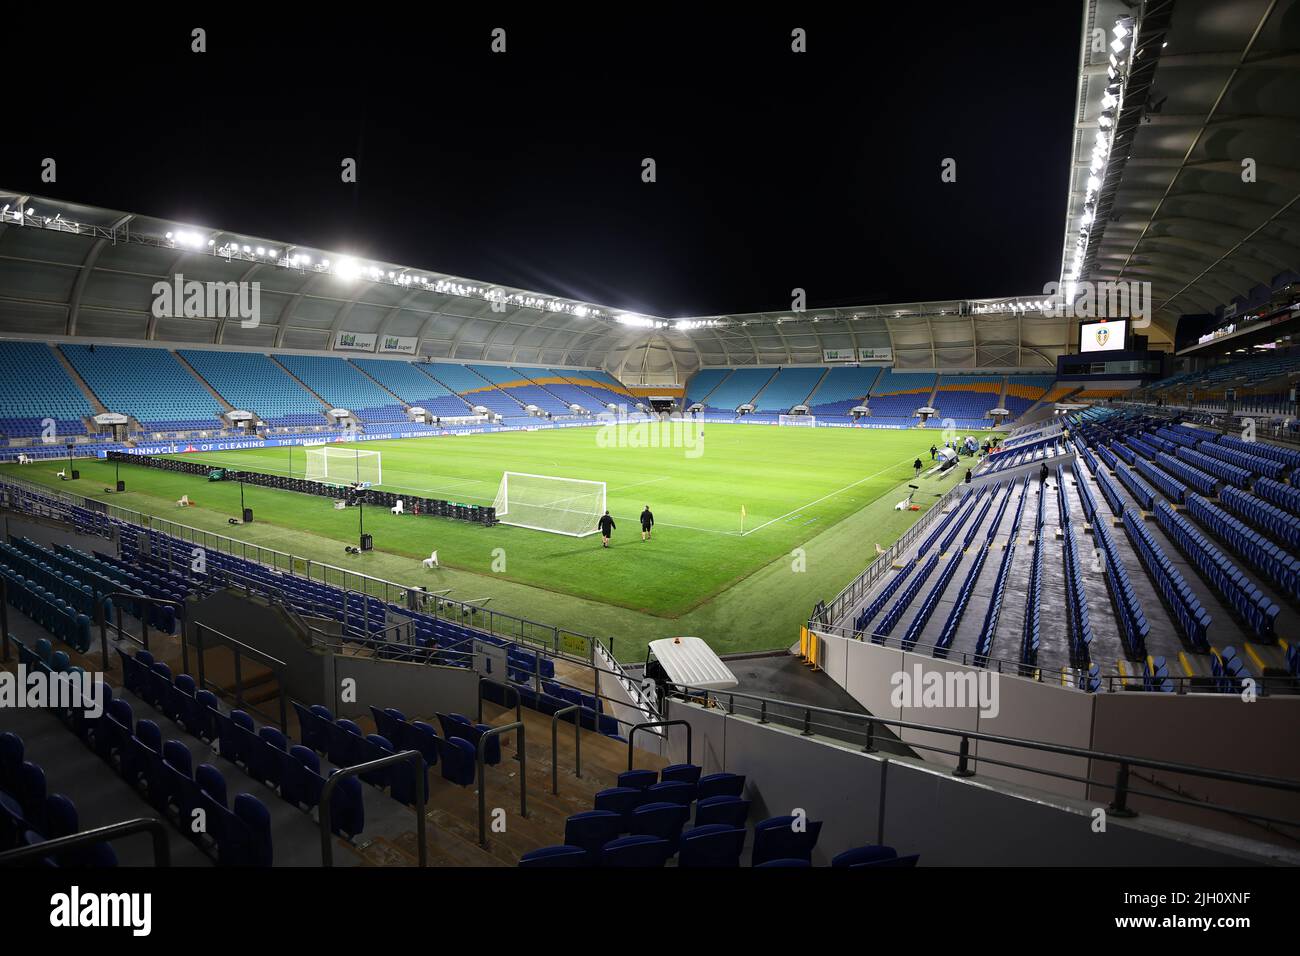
{"x": 344, "y": 465}
{"x": 569, "y": 506}
{"x": 805, "y": 420}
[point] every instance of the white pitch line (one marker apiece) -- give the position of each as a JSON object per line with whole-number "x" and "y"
{"x": 824, "y": 497}
{"x": 636, "y": 484}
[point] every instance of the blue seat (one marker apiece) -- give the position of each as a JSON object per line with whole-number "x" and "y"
{"x": 780, "y": 863}
{"x": 459, "y": 762}
{"x": 640, "y": 850}
{"x": 664, "y": 820}
{"x": 776, "y": 838}
{"x": 685, "y": 772}
{"x": 620, "y": 800}
{"x": 637, "y": 779}
{"x": 345, "y": 739}
{"x": 712, "y": 845}
{"x": 720, "y": 785}
{"x": 862, "y": 855}
{"x": 673, "y": 791}
{"x": 347, "y": 808}
{"x": 267, "y": 756}
{"x": 591, "y": 830}
{"x": 549, "y": 857}
{"x": 301, "y": 783}
{"x": 11, "y": 758}
{"x": 732, "y": 811}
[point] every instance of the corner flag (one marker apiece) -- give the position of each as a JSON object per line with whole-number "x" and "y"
{"x": 742, "y": 518}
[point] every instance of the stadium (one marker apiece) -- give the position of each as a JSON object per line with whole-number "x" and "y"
{"x": 316, "y": 558}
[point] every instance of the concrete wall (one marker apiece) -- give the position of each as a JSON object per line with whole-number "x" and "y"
{"x": 417, "y": 690}
{"x": 865, "y": 798}
{"x": 1205, "y": 730}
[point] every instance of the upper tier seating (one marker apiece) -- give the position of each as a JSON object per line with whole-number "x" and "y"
{"x": 739, "y": 388}
{"x": 518, "y": 384}
{"x": 408, "y": 381}
{"x": 967, "y": 397}
{"x": 704, "y": 382}
{"x": 343, "y": 385}
{"x": 474, "y": 388}
{"x": 147, "y": 383}
{"x": 900, "y": 394}
{"x": 1025, "y": 391}
{"x": 790, "y": 388}
{"x": 252, "y": 382}
{"x": 34, "y": 387}
{"x": 843, "y": 389}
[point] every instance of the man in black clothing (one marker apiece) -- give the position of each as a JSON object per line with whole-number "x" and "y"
{"x": 968, "y": 476}
{"x": 933, "y": 451}
{"x": 917, "y": 465}
{"x": 647, "y": 522}
{"x": 606, "y": 525}
{"x": 1042, "y": 474}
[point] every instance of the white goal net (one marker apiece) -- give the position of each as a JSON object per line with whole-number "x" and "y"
{"x": 344, "y": 465}
{"x": 806, "y": 420}
{"x": 569, "y": 506}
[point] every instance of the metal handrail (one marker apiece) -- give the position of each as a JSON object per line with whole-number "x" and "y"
{"x": 660, "y": 723}
{"x": 143, "y": 639}
{"x": 421, "y": 782}
{"x": 1123, "y": 761}
{"x": 555, "y": 746}
{"x": 240, "y": 649}
{"x": 104, "y": 834}
{"x": 519, "y": 711}
{"x": 482, "y": 782}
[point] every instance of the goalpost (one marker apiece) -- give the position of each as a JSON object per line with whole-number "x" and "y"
{"x": 569, "y": 506}
{"x": 344, "y": 465}
{"x": 808, "y": 421}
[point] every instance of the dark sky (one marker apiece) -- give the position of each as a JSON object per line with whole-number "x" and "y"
{"x": 775, "y": 170}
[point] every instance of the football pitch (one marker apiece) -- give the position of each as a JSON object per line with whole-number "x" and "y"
{"x": 754, "y": 524}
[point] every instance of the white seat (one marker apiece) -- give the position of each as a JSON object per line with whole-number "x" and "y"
{"x": 398, "y": 508}
{"x": 431, "y": 561}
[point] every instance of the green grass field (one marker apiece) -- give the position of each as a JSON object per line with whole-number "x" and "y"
{"x": 828, "y": 491}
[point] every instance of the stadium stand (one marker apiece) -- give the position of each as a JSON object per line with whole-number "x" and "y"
{"x": 738, "y": 388}
{"x": 897, "y": 395}
{"x": 406, "y": 381}
{"x": 34, "y": 387}
{"x": 474, "y": 389}
{"x": 1024, "y": 392}
{"x": 789, "y": 388}
{"x": 253, "y": 382}
{"x": 343, "y": 385}
{"x": 966, "y": 399}
{"x": 146, "y": 383}
{"x": 842, "y": 390}
{"x": 703, "y": 383}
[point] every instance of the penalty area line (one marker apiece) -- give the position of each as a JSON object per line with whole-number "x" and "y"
{"x": 824, "y": 497}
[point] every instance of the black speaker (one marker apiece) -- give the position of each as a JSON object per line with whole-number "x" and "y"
{"x": 75, "y": 475}
{"x": 248, "y": 516}
{"x": 121, "y": 485}
{"x": 367, "y": 543}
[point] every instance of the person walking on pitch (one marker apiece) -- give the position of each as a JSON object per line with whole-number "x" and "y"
{"x": 606, "y": 526}
{"x": 647, "y": 522}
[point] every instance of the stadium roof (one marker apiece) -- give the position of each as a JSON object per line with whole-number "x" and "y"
{"x": 1212, "y": 95}
{"x": 73, "y": 270}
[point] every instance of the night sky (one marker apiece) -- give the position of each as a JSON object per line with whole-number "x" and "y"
{"x": 775, "y": 170}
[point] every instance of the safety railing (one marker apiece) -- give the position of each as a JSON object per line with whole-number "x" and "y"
{"x": 203, "y": 633}
{"x": 421, "y": 783}
{"x": 481, "y": 763}
{"x": 105, "y": 834}
{"x": 555, "y": 745}
{"x": 123, "y": 633}
{"x": 1120, "y": 787}
{"x": 859, "y": 587}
